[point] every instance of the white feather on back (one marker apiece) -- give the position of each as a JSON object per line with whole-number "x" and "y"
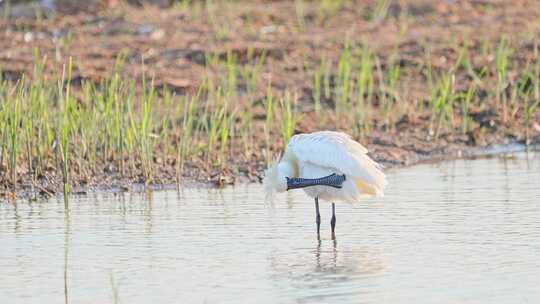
{"x": 340, "y": 152}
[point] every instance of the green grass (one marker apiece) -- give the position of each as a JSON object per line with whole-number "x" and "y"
{"x": 466, "y": 100}
{"x": 379, "y": 10}
{"x": 502, "y": 54}
{"x": 529, "y": 91}
{"x": 365, "y": 88}
{"x": 13, "y": 117}
{"x": 53, "y": 126}
{"x": 64, "y": 124}
{"x": 288, "y": 118}
{"x": 327, "y": 9}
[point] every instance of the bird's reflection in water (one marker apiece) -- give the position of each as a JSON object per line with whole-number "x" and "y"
{"x": 325, "y": 270}
{"x": 333, "y": 259}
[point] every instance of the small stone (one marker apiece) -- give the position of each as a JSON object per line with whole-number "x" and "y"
{"x": 157, "y": 34}
{"x": 268, "y": 29}
{"x": 109, "y": 168}
{"x": 28, "y": 37}
{"x": 145, "y": 29}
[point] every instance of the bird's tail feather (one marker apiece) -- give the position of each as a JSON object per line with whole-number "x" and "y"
{"x": 376, "y": 181}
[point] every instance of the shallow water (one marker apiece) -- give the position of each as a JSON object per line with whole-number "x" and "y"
{"x": 457, "y": 232}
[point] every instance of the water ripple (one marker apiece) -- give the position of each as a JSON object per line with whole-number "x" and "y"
{"x": 455, "y": 232}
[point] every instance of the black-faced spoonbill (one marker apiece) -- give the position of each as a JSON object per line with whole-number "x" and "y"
{"x": 330, "y": 166}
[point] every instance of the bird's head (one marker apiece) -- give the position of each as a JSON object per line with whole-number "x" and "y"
{"x": 275, "y": 177}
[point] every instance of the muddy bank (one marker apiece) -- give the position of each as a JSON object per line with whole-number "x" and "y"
{"x": 392, "y": 158}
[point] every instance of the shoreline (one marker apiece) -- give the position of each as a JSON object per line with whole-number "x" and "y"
{"x": 469, "y": 153}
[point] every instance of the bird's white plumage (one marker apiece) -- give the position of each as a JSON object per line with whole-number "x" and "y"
{"x": 319, "y": 154}
{"x": 335, "y": 150}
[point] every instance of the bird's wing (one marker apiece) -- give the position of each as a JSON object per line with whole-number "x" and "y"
{"x": 339, "y": 151}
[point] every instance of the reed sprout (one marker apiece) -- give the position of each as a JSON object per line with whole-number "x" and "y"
{"x": 326, "y": 9}
{"x": 13, "y": 131}
{"x": 56, "y": 128}
{"x": 365, "y": 87}
{"x": 502, "y": 55}
{"x": 466, "y": 100}
{"x": 288, "y": 117}
{"x": 379, "y": 11}
{"x": 63, "y": 130}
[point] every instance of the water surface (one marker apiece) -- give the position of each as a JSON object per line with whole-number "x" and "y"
{"x": 457, "y": 232}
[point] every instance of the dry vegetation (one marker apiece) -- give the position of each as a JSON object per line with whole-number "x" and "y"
{"x": 211, "y": 90}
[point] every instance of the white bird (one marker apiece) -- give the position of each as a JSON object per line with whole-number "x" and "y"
{"x": 330, "y": 166}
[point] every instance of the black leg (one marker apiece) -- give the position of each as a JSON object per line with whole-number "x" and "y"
{"x": 333, "y": 221}
{"x": 318, "y": 216}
